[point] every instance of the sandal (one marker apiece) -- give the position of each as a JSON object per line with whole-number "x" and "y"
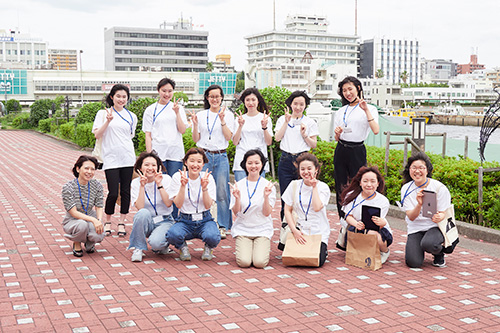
{"x": 121, "y": 233}
{"x": 77, "y": 253}
{"x": 107, "y": 231}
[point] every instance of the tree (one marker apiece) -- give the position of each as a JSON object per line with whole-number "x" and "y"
{"x": 379, "y": 74}
{"x": 240, "y": 82}
{"x": 182, "y": 95}
{"x": 209, "y": 67}
{"x": 88, "y": 111}
{"x": 40, "y": 109}
{"x": 12, "y": 105}
{"x": 404, "y": 76}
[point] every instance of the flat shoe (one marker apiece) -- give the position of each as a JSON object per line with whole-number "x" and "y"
{"x": 77, "y": 253}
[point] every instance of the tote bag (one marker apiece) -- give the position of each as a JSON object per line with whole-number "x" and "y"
{"x": 363, "y": 251}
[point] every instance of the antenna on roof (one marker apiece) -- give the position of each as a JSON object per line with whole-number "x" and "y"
{"x": 274, "y": 15}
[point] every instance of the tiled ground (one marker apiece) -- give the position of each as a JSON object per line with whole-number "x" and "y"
{"x": 44, "y": 288}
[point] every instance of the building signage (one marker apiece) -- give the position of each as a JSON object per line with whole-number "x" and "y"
{"x": 14, "y": 81}
{"x": 226, "y": 80}
{"x": 6, "y": 39}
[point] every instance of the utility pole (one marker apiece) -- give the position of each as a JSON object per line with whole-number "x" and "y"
{"x": 81, "y": 78}
{"x": 356, "y": 18}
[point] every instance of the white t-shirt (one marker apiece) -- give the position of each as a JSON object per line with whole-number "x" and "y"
{"x": 193, "y": 198}
{"x": 161, "y": 121}
{"x": 317, "y": 222}
{"x": 117, "y": 146}
{"x": 252, "y": 137}
{"x": 379, "y": 200}
{"x": 153, "y": 192}
{"x": 253, "y": 223}
{"x": 293, "y": 142}
{"x": 422, "y": 223}
{"x": 357, "y": 123}
{"x": 215, "y": 140}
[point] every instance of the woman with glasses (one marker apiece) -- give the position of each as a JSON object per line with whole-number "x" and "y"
{"x": 212, "y": 130}
{"x": 423, "y": 232}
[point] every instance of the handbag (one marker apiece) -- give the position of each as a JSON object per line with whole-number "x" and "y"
{"x": 448, "y": 228}
{"x": 307, "y": 254}
{"x": 340, "y": 244}
{"x": 285, "y": 229}
{"x": 97, "y": 152}
{"x": 363, "y": 251}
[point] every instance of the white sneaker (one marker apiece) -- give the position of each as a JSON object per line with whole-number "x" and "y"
{"x": 137, "y": 255}
{"x": 184, "y": 254}
{"x": 384, "y": 256}
{"x": 207, "y": 253}
{"x": 222, "y": 233}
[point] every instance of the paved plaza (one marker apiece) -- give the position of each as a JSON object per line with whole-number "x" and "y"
{"x": 44, "y": 288}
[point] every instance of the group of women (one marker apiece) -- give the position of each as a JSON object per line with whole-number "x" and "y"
{"x": 175, "y": 191}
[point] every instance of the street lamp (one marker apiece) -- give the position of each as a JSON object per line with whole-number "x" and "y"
{"x": 81, "y": 78}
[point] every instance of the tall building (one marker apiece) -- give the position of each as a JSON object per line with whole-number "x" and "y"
{"x": 302, "y": 33}
{"x": 177, "y": 49}
{"x": 470, "y": 67}
{"x": 437, "y": 69}
{"x": 392, "y": 57}
{"x": 19, "y": 50}
{"x": 63, "y": 59}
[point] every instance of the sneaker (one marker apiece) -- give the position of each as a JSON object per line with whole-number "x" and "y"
{"x": 184, "y": 254}
{"x": 439, "y": 261}
{"x": 207, "y": 253}
{"x": 384, "y": 256}
{"x": 222, "y": 233}
{"x": 166, "y": 250}
{"x": 137, "y": 255}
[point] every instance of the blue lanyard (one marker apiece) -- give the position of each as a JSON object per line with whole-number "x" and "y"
{"x": 154, "y": 206}
{"x": 131, "y": 123}
{"x": 251, "y": 196}
{"x": 189, "y": 194}
{"x": 156, "y": 115}
{"x": 416, "y": 188}
{"x": 354, "y": 204}
{"x": 213, "y": 125}
{"x": 294, "y": 124}
{"x": 300, "y": 200}
{"x": 346, "y": 108}
{"x": 88, "y": 197}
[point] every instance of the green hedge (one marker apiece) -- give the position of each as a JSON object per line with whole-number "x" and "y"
{"x": 44, "y": 125}
{"x": 84, "y": 135}
{"x": 67, "y": 131}
{"x": 22, "y": 121}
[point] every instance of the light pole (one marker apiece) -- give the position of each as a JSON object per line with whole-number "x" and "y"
{"x": 81, "y": 78}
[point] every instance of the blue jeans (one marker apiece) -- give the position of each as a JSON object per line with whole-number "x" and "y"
{"x": 172, "y": 167}
{"x": 144, "y": 227}
{"x": 240, "y": 174}
{"x": 186, "y": 229}
{"x": 286, "y": 173}
{"x": 219, "y": 165}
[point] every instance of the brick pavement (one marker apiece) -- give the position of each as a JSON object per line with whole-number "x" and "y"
{"x": 44, "y": 288}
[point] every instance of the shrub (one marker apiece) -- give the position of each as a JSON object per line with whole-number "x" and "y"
{"x": 67, "y": 131}
{"x": 22, "y": 121}
{"x": 138, "y": 106}
{"x": 88, "y": 111}
{"x": 44, "y": 125}
{"x": 84, "y": 135}
{"x": 40, "y": 110}
{"x": 12, "y": 105}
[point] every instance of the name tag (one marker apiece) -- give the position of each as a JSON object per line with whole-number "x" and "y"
{"x": 347, "y": 130}
{"x": 197, "y": 216}
{"x": 158, "y": 219}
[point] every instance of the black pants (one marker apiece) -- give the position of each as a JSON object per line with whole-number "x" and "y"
{"x": 286, "y": 173}
{"x": 420, "y": 242}
{"x": 348, "y": 159}
{"x": 323, "y": 253}
{"x": 115, "y": 177}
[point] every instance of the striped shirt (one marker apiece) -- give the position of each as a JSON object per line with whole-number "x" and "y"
{"x": 71, "y": 197}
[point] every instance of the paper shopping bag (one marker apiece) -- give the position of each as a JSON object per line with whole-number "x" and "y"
{"x": 307, "y": 254}
{"x": 363, "y": 251}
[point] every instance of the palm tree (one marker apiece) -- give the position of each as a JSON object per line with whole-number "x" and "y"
{"x": 404, "y": 76}
{"x": 379, "y": 74}
{"x": 209, "y": 67}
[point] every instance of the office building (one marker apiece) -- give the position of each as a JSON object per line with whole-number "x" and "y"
{"x": 393, "y": 58}
{"x": 19, "y": 50}
{"x": 174, "y": 47}
{"x": 436, "y": 70}
{"x": 63, "y": 59}
{"x": 470, "y": 67}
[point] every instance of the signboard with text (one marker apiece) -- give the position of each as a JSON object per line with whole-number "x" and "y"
{"x": 226, "y": 80}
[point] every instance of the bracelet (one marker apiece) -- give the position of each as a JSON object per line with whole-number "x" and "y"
{"x": 205, "y": 190}
{"x": 160, "y": 187}
{"x": 264, "y": 128}
{"x": 223, "y": 124}
{"x": 371, "y": 119}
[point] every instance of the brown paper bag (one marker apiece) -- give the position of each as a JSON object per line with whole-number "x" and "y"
{"x": 296, "y": 254}
{"x": 363, "y": 251}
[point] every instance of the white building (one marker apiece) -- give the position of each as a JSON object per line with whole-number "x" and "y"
{"x": 180, "y": 49}
{"x": 436, "y": 70}
{"x": 392, "y": 57}
{"x": 19, "y": 50}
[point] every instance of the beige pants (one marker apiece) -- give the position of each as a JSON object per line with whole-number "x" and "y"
{"x": 252, "y": 250}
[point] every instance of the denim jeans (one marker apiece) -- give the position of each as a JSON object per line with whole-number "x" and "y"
{"x": 144, "y": 227}
{"x": 240, "y": 174}
{"x": 286, "y": 173}
{"x": 186, "y": 229}
{"x": 219, "y": 165}
{"x": 172, "y": 167}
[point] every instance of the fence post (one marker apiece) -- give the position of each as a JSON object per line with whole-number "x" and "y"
{"x": 444, "y": 145}
{"x": 466, "y": 147}
{"x": 480, "y": 193}
{"x": 387, "y": 151}
{"x": 405, "y": 152}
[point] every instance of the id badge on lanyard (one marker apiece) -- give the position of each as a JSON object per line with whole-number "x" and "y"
{"x": 347, "y": 130}
{"x": 157, "y": 219}
{"x": 197, "y": 216}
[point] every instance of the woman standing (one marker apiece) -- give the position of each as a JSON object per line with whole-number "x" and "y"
{"x": 353, "y": 122}
{"x": 254, "y": 130}
{"x": 297, "y": 134}
{"x": 194, "y": 193}
{"x": 83, "y": 201}
{"x": 150, "y": 197}
{"x": 366, "y": 189}
{"x": 212, "y": 130}
{"x": 308, "y": 198}
{"x": 423, "y": 232}
{"x": 252, "y": 206}
{"x": 116, "y": 126}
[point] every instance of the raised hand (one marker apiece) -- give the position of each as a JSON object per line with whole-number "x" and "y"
{"x": 184, "y": 177}
{"x": 176, "y": 106}
{"x": 288, "y": 114}
{"x": 264, "y": 120}
{"x": 222, "y": 114}
{"x": 109, "y": 115}
{"x": 420, "y": 197}
{"x": 241, "y": 120}
{"x": 234, "y": 190}
{"x": 268, "y": 189}
{"x": 144, "y": 180}
{"x": 158, "y": 178}
{"x": 303, "y": 130}
{"x": 194, "y": 118}
{"x": 205, "y": 180}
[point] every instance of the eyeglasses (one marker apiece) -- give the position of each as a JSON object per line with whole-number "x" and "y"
{"x": 215, "y": 97}
{"x": 415, "y": 168}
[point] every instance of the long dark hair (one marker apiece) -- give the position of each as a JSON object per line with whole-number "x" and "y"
{"x": 417, "y": 157}
{"x": 356, "y": 83}
{"x": 206, "y": 104}
{"x": 262, "y": 107}
{"x": 354, "y": 189}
